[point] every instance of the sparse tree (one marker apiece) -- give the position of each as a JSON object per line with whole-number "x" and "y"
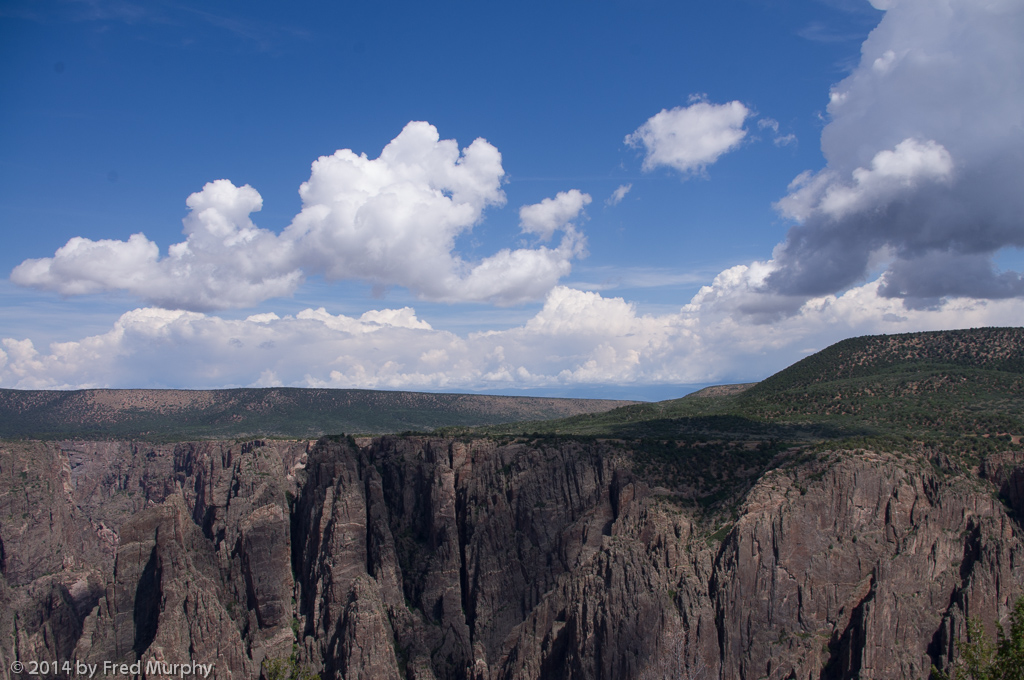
{"x": 980, "y": 659}
{"x": 288, "y": 669}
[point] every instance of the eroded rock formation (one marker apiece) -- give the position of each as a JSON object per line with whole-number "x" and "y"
{"x": 455, "y": 559}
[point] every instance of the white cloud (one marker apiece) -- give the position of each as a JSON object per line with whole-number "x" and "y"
{"x": 892, "y": 173}
{"x": 390, "y": 221}
{"x": 552, "y": 214}
{"x": 569, "y": 312}
{"x": 226, "y": 261}
{"x": 690, "y": 138}
{"x": 618, "y": 194}
{"x": 262, "y": 318}
{"x": 577, "y": 338}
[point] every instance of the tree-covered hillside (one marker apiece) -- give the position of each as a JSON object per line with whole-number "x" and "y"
{"x": 966, "y": 383}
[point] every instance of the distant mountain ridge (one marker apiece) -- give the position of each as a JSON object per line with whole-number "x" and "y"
{"x": 279, "y": 411}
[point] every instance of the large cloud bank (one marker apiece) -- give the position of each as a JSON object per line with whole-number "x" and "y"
{"x": 390, "y": 221}
{"x": 925, "y": 155}
{"x": 577, "y": 339}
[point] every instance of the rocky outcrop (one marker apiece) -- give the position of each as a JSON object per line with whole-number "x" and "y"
{"x": 863, "y": 565}
{"x": 423, "y": 557}
{"x": 117, "y": 552}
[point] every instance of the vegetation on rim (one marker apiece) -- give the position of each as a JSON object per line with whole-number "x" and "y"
{"x": 177, "y": 415}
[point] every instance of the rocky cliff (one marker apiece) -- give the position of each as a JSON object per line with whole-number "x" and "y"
{"x": 489, "y": 559}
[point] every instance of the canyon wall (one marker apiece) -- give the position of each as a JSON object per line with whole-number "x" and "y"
{"x": 421, "y": 557}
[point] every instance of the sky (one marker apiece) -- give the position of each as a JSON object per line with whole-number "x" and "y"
{"x": 594, "y": 199}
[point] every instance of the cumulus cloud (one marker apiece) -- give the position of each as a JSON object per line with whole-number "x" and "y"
{"x": 225, "y": 261}
{"x": 545, "y": 218}
{"x": 578, "y": 338}
{"x": 390, "y": 221}
{"x": 690, "y": 138}
{"x": 924, "y": 150}
{"x": 618, "y": 194}
{"x": 892, "y": 175}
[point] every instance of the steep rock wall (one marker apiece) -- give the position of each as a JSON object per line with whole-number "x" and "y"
{"x": 425, "y": 557}
{"x": 116, "y": 551}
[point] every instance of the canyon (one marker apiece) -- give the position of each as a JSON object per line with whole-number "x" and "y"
{"x": 427, "y": 557}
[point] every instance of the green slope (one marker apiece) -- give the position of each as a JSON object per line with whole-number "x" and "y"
{"x": 924, "y": 385}
{"x": 992, "y": 349}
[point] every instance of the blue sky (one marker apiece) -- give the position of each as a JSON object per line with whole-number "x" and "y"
{"x": 514, "y": 267}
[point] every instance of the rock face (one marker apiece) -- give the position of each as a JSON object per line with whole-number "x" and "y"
{"x": 116, "y": 552}
{"x": 423, "y": 557}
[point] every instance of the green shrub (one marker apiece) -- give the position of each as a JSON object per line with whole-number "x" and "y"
{"x": 288, "y": 669}
{"x": 980, "y": 659}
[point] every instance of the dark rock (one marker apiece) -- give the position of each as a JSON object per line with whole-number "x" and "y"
{"x": 423, "y": 557}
